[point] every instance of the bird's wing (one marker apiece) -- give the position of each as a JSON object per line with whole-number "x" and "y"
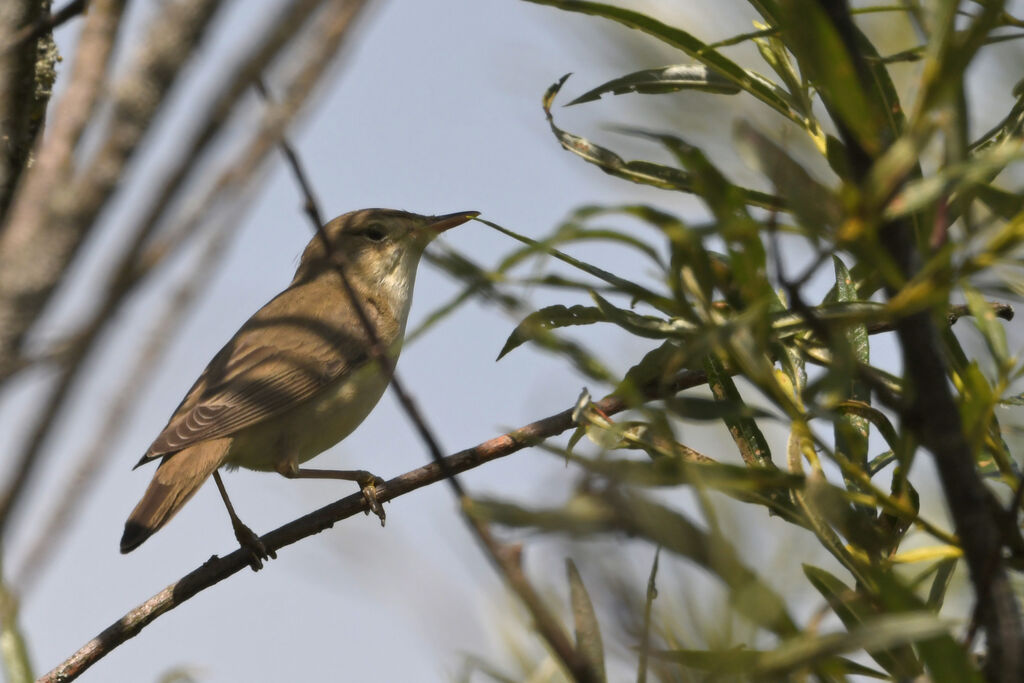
{"x": 249, "y": 381}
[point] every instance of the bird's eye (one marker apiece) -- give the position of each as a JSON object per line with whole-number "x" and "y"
{"x": 375, "y": 233}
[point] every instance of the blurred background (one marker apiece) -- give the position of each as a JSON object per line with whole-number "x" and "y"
{"x": 432, "y": 107}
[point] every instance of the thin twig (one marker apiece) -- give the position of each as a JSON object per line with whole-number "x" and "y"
{"x": 216, "y": 569}
{"x": 980, "y": 599}
{"x": 47, "y": 23}
{"x": 506, "y": 559}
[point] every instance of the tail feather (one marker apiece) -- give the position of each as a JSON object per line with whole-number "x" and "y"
{"x": 176, "y": 480}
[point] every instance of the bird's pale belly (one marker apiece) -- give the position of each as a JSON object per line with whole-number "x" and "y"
{"x": 311, "y": 427}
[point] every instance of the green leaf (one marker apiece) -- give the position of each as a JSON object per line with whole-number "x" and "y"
{"x": 943, "y": 656}
{"x": 672, "y": 470}
{"x": 642, "y": 172}
{"x": 622, "y": 285}
{"x": 648, "y": 326}
{"x": 588, "y": 631}
{"x": 666, "y": 79}
{"x": 887, "y": 631}
{"x": 696, "y": 408}
{"x": 754, "y": 83}
{"x": 816, "y": 206}
{"x": 854, "y": 610}
{"x": 863, "y": 411}
{"x": 977, "y": 406}
{"x": 746, "y": 664}
{"x": 633, "y": 514}
{"x": 752, "y": 445}
{"x": 572, "y": 231}
{"x": 953, "y": 178}
{"x": 1004, "y": 204}
{"x": 943, "y": 577}
{"x": 985, "y": 319}
{"x": 550, "y": 318}
{"x": 654, "y": 372}
{"x": 852, "y": 430}
{"x": 825, "y": 61}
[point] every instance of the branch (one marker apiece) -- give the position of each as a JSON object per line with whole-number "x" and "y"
{"x": 216, "y": 569}
{"x": 27, "y": 72}
{"x": 44, "y": 25}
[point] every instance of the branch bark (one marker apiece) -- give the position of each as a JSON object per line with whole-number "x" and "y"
{"x": 26, "y": 75}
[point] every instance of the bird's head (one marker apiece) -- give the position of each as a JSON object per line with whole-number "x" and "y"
{"x": 376, "y": 247}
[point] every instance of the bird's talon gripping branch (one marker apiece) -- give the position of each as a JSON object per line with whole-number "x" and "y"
{"x": 368, "y": 483}
{"x": 252, "y": 543}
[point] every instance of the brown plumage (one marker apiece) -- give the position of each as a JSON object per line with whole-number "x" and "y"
{"x": 298, "y": 376}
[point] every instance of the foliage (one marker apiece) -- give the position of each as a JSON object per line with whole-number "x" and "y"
{"x": 728, "y": 305}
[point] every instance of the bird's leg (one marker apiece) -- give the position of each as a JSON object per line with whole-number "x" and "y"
{"x": 368, "y": 482}
{"x": 247, "y": 538}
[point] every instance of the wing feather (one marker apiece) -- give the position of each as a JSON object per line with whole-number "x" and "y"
{"x": 262, "y": 373}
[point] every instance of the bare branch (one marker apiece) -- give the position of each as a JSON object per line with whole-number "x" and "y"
{"x": 216, "y": 569}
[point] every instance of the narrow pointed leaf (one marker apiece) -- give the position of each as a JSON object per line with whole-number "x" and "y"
{"x": 852, "y": 430}
{"x": 550, "y": 318}
{"x": 815, "y": 205}
{"x": 757, "y": 85}
{"x": 588, "y": 631}
{"x": 854, "y": 609}
{"x": 752, "y": 445}
{"x": 642, "y": 172}
{"x": 666, "y": 79}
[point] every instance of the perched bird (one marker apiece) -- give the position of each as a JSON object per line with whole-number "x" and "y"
{"x": 299, "y": 376}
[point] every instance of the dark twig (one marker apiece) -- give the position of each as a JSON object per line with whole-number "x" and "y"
{"x": 1008, "y": 529}
{"x": 216, "y": 569}
{"x": 507, "y": 559}
{"x": 45, "y": 24}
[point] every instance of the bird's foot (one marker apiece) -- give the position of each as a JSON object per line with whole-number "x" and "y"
{"x": 252, "y": 543}
{"x": 368, "y": 483}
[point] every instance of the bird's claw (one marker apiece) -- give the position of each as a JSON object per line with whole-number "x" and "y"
{"x": 253, "y": 544}
{"x": 368, "y": 483}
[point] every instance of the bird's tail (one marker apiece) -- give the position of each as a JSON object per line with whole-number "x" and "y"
{"x": 176, "y": 480}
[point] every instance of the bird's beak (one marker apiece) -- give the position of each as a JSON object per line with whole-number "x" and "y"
{"x": 439, "y": 224}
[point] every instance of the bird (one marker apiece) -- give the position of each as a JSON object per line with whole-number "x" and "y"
{"x": 299, "y": 375}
